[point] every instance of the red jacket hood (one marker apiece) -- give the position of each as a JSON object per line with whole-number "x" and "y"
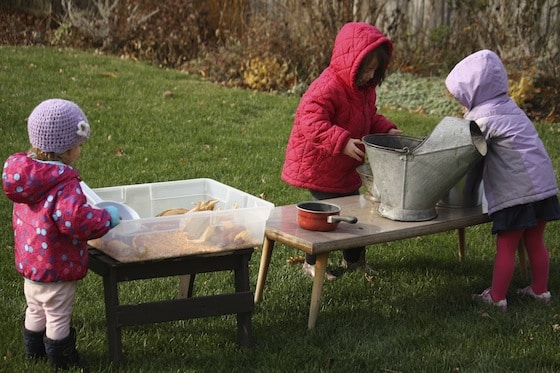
{"x": 354, "y": 41}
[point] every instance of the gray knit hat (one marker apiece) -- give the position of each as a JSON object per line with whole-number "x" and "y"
{"x": 57, "y": 125}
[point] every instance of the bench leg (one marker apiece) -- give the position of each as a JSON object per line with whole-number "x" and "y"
{"x": 244, "y": 319}
{"x": 110, "y": 288}
{"x": 186, "y": 285}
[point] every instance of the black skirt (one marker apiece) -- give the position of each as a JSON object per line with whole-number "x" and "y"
{"x": 525, "y": 216}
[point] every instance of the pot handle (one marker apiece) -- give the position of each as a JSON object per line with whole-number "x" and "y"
{"x": 337, "y": 218}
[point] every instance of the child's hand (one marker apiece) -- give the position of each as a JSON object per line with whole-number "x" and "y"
{"x": 115, "y": 218}
{"x": 353, "y": 150}
{"x": 395, "y": 131}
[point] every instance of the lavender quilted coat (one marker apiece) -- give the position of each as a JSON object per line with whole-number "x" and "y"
{"x": 517, "y": 167}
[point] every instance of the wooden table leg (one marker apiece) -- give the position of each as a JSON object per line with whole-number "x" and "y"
{"x": 186, "y": 283}
{"x": 110, "y": 288}
{"x": 266, "y": 256}
{"x": 318, "y": 280}
{"x": 244, "y": 319}
{"x": 461, "y": 235}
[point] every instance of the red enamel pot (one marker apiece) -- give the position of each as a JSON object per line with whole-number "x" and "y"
{"x": 321, "y": 216}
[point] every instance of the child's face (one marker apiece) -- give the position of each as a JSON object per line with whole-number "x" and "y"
{"x": 367, "y": 72}
{"x": 71, "y": 155}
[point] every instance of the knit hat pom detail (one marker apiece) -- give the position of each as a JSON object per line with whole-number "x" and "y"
{"x": 57, "y": 125}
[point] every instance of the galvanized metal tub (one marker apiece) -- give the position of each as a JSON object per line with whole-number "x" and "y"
{"x": 467, "y": 192}
{"x": 412, "y": 174}
{"x": 366, "y": 174}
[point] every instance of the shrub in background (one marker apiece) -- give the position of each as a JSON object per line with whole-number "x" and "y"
{"x": 283, "y": 45}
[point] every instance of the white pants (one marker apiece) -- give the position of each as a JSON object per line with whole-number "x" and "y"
{"x": 49, "y": 306}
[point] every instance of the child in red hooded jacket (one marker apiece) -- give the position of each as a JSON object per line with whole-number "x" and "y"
{"x": 52, "y": 222}
{"x": 335, "y": 113}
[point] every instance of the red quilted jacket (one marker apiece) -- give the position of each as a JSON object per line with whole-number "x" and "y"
{"x": 332, "y": 111}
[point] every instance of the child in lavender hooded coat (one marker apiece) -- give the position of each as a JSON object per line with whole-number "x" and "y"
{"x": 518, "y": 176}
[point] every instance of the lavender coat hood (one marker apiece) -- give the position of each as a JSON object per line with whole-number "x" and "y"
{"x": 517, "y": 167}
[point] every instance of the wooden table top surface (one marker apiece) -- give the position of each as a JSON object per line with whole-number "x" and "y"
{"x": 371, "y": 227}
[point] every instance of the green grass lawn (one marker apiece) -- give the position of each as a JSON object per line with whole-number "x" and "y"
{"x": 150, "y": 125}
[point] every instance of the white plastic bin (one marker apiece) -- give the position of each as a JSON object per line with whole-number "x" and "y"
{"x": 237, "y": 221}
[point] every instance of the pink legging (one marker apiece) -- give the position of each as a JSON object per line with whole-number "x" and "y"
{"x": 504, "y": 264}
{"x": 49, "y": 306}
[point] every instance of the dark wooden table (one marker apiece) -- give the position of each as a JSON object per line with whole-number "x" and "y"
{"x": 183, "y": 307}
{"x": 371, "y": 229}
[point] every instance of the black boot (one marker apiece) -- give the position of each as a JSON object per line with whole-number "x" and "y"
{"x": 62, "y": 353}
{"x": 34, "y": 346}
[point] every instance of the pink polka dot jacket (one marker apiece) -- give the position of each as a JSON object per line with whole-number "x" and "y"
{"x": 51, "y": 218}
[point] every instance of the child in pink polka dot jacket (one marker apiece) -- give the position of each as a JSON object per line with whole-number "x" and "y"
{"x": 52, "y": 222}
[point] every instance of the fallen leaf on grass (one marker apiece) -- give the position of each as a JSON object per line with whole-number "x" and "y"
{"x": 108, "y": 75}
{"x": 295, "y": 259}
